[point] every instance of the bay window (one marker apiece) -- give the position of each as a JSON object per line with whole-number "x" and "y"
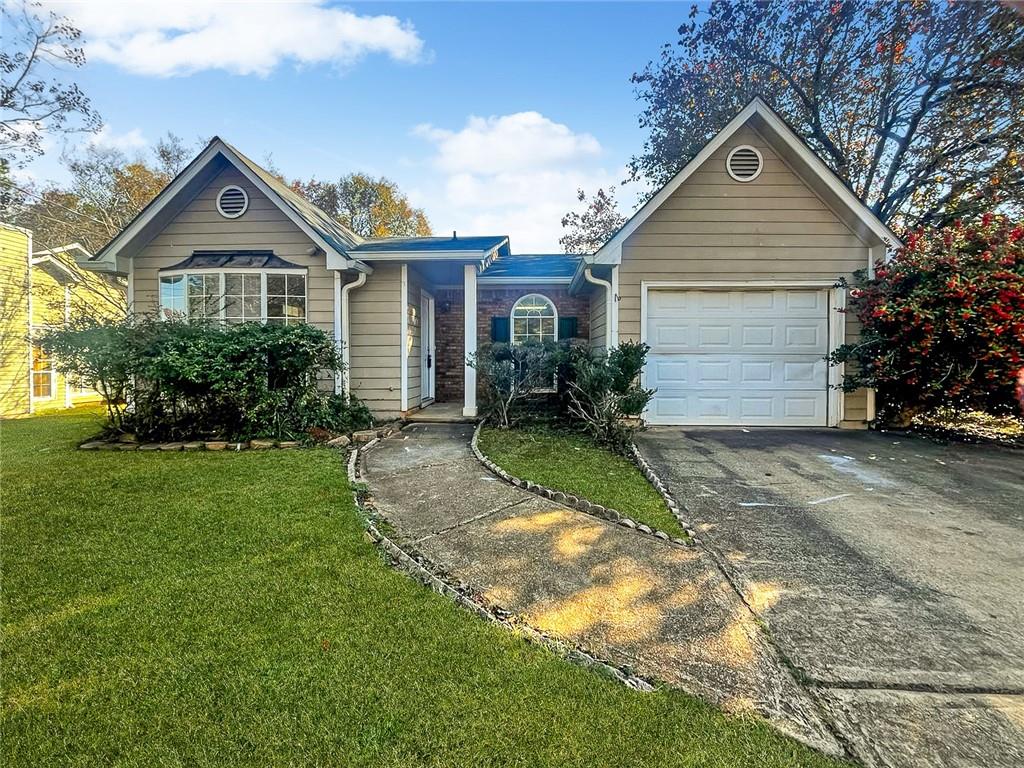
{"x": 235, "y": 296}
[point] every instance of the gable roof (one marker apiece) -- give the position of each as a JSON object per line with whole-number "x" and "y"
{"x": 331, "y": 236}
{"x": 557, "y": 268}
{"x": 794, "y": 150}
{"x": 55, "y": 268}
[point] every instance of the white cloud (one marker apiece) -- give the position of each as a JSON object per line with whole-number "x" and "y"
{"x": 509, "y": 143}
{"x": 178, "y": 38}
{"x": 125, "y": 142}
{"x": 512, "y": 174}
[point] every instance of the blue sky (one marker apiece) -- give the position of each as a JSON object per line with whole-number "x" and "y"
{"x": 488, "y": 114}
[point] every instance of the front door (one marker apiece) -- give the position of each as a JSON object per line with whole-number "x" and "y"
{"x": 427, "y": 366}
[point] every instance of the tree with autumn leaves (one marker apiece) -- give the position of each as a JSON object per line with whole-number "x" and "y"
{"x": 943, "y": 322}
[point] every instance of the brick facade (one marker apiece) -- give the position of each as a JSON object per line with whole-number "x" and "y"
{"x": 491, "y": 302}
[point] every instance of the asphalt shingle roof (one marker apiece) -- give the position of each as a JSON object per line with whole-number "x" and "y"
{"x": 534, "y": 265}
{"x": 336, "y": 234}
{"x": 430, "y": 244}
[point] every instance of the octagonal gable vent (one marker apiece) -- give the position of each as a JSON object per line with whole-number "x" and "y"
{"x": 744, "y": 163}
{"x": 232, "y": 202}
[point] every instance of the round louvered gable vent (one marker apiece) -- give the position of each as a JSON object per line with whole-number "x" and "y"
{"x": 232, "y": 202}
{"x": 744, "y": 163}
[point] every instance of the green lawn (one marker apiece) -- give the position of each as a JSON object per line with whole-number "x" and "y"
{"x": 573, "y": 464}
{"x": 225, "y": 609}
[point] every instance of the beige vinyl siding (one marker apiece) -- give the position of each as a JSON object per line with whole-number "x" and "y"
{"x": 598, "y": 318}
{"x": 375, "y": 339}
{"x": 414, "y": 323}
{"x": 14, "y": 322}
{"x": 714, "y": 228}
{"x": 263, "y": 226}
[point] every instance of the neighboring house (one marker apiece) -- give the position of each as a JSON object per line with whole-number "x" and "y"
{"x": 729, "y": 272}
{"x": 38, "y": 290}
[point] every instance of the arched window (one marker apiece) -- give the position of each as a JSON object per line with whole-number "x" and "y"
{"x": 534, "y": 319}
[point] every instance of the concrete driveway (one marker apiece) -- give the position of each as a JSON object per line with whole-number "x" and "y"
{"x": 889, "y": 571}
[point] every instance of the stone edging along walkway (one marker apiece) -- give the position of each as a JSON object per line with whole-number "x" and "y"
{"x": 431, "y": 576}
{"x": 258, "y": 444}
{"x": 589, "y": 507}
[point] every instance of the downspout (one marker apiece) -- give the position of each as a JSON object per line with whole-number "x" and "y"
{"x": 31, "y": 356}
{"x": 609, "y": 304}
{"x": 67, "y": 323}
{"x": 346, "y": 355}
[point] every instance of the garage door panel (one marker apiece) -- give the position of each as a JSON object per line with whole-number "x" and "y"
{"x": 738, "y": 357}
{"x": 736, "y": 336}
{"x": 722, "y": 407}
{"x": 707, "y": 304}
{"x": 794, "y": 372}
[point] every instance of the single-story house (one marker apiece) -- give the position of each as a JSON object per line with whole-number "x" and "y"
{"x": 729, "y": 273}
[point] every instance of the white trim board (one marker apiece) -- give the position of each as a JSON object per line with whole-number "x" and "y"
{"x": 108, "y": 256}
{"x": 404, "y": 341}
{"x": 836, "y": 324}
{"x": 611, "y": 251}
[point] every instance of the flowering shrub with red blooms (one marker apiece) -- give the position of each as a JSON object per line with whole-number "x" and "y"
{"x": 943, "y": 322}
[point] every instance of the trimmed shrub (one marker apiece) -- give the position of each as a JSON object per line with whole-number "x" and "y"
{"x": 511, "y": 374}
{"x": 171, "y": 379}
{"x": 603, "y": 392}
{"x": 943, "y": 323}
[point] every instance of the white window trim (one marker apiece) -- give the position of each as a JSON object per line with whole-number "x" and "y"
{"x": 232, "y": 188}
{"x": 512, "y": 315}
{"x": 237, "y": 271}
{"x": 52, "y": 370}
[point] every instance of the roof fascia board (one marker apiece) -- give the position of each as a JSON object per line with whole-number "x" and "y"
{"x": 825, "y": 174}
{"x": 55, "y": 268}
{"x": 484, "y": 280}
{"x": 611, "y": 251}
{"x": 110, "y": 253}
{"x": 340, "y": 260}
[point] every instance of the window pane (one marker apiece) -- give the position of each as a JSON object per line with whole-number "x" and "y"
{"x": 172, "y": 296}
{"x": 275, "y": 285}
{"x": 252, "y": 285}
{"x": 296, "y": 285}
{"x": 233, "y": 285}
{"x": 533, "y": 319}
{"x": 275, "y": 306}
{"x": 251, "y": 307}
{"x": 296, "y": 310}
{"x": 42, "y": 384}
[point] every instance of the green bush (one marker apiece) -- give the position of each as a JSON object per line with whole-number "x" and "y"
{"x": 603, "y": 392}
{"x": 171, "y": 379}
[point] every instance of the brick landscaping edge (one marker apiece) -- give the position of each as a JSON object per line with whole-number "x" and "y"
{"x": 584, "y": 505}
{"x": 407, "y": 560}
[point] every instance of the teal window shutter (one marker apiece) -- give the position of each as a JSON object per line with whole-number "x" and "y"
{"x": 567, "y": 328}
{"x": 500, "y": 329}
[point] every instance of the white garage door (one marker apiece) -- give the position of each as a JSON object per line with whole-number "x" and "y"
{"x": 752, "y": 357}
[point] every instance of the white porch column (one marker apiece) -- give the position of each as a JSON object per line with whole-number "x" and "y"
{"x": 469, "y": 407}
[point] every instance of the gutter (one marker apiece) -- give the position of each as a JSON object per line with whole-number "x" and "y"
{"x": 346, "y": 325}
{"x": 609, "y": 304}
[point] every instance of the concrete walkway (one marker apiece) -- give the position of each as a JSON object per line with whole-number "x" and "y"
{"x": 664, "y": 611}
